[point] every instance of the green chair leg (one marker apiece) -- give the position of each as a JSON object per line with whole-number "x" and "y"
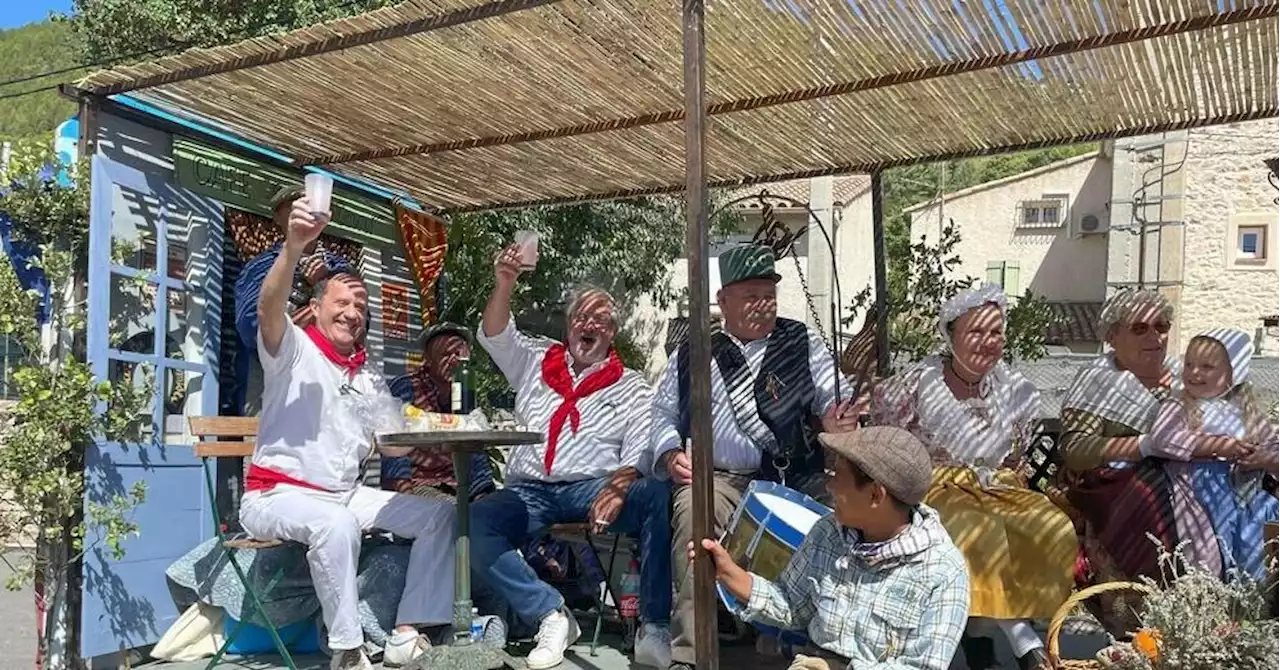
{"x": 608, "y": 588}
{"x": 256, "y": 604}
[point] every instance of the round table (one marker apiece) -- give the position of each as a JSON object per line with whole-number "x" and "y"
{"x": 462, "y": 654}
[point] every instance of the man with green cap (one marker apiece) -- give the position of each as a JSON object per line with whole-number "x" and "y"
{"x": 773, "y": 389}
{"x": 246, "y": 396}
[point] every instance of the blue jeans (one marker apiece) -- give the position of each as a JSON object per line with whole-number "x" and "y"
{"x": 506, "y": 519}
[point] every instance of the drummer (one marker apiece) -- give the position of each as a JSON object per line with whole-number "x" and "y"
{"x": 875, "y": 584}
{"x": 304, "y": 482}
{"x": 788, "y": 381}
{"x": 595, "y": 414}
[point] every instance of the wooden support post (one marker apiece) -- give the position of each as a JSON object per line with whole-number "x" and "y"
{"x": 706, "y": 643}
{"x": 882, "y": 275}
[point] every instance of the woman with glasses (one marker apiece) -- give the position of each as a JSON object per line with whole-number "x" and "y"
{"x": 978, "y": 417}
{"x": 1129, "y": 501}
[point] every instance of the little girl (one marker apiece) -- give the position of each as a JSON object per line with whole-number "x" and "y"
{"x": 1215, "y": 424}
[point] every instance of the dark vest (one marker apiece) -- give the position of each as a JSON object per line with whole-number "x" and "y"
{"x": 784, "y": 393}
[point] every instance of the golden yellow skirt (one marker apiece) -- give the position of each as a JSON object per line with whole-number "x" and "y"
{"x": 1020, "y": 547}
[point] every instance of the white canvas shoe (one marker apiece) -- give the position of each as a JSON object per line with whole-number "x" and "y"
{"x": 403, "y": 648}
{"x": 653, "y": 647}
{"x": 350, "y": 659}
{"x": 556, "y": 632}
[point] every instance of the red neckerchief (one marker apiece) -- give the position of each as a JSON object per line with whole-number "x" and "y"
{"x": 351, "y": 364}
{"x": 555, "y": 374}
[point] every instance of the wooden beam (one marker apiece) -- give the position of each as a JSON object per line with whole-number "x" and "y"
{"x": 706, "y": 642}
{"x": 802, "y": 95}
{"x": 871, "y": 166}
{"x": 881, "y": 275}
{"x": 336, "y": 43}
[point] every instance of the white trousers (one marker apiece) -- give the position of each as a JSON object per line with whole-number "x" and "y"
{"x": 332, "y": 526}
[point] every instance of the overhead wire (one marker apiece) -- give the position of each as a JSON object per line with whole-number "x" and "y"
{"x": 251, "y": 31}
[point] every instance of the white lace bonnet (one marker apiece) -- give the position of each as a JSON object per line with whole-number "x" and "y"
{"x": 957, "y": 305}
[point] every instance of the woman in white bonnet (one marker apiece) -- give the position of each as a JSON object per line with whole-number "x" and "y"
{"x": 978, "y": 417}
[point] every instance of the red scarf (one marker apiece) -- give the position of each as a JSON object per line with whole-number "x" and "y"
{"x": 351, "y": 364}
{"x": 555, "y": 374}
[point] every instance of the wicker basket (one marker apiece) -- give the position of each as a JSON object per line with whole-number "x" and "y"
{"x": 1060, "y": 618}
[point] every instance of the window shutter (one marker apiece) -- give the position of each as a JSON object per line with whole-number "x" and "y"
{"x": 1011, "y": 276}
{"x": 995, "y": 273}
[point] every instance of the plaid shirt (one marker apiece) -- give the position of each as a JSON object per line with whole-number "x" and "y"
{"x": 890, "y": 605}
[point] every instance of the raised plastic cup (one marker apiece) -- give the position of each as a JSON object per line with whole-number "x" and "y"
{"x": 527, "y": 242}
{"x": 319, "y": 192}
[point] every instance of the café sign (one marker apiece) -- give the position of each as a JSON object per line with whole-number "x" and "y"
{"x": 248, "y": 185}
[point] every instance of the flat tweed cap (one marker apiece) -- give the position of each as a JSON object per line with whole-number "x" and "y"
{"x": 889, "y": 455}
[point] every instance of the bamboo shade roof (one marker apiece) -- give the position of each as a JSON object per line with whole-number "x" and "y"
{"x": 469, "y": 105}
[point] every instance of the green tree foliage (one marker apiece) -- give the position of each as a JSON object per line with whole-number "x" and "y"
{"x": 61, "y": 406}
{"x": 623, "y": 246}
{"x": 119, "y": 28}
{"x": 929, "y": 273}
{"x": 33, "y": 49}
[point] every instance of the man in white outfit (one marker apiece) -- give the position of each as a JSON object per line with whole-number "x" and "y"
{"x": 303, "y": 484}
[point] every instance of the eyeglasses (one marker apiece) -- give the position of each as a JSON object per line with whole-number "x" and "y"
{"x": 1142, "y": 328}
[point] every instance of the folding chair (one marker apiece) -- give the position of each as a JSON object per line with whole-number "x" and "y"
{"x": 245, "y": 429}
{"x": 581, "y": 532}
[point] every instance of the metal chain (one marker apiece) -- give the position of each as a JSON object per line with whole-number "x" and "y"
{"x": 808, "y": 296}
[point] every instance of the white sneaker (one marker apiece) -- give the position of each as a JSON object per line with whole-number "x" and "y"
{"x": 350, "y": 659}
{"x": 653, "y": 646}
{"x": 403, "y": 648}
{"x": 557, "y": 631}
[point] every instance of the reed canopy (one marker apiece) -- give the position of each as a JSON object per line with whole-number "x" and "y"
{"x": 469, "y": 105}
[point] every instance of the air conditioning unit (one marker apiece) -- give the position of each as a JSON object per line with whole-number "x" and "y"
{"x": 1091, "y": 224}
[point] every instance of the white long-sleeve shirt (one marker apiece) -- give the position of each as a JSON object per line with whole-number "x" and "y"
{"x": 734, "y": 449}
{"x": 614, "y": 429}
{"x": 309, "y": 428}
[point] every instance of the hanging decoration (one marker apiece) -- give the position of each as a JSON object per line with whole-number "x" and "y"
{"x": 425, "y": 242}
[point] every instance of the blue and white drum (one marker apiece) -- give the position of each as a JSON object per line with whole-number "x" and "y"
{"x": 765, "y": 532}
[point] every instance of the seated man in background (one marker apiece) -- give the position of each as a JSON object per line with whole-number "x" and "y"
{"x": 595, "y": 415}
{"x": 877, "y": 584}
{"x": 314, "y": 264}
{"x": 428, "y": 388}
{"x": 304, "y": 481}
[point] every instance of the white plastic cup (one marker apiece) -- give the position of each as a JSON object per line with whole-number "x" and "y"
{"x": 527, "y": 242}
{"x": 319, "y": 192}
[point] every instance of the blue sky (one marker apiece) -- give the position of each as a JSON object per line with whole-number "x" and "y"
{"x": 14, "y": 13}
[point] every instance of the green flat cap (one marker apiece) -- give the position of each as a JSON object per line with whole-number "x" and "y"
{"x": 746, "y": 261}
{"x": 286, "y": 194}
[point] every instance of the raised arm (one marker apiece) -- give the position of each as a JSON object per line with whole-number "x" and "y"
{"x": 273, "y": 301}
{"x": 497, "y": 312}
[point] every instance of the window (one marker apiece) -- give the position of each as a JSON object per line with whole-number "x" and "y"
{"x": 1004, "y": 274}
{"x": 1044, "y": 213}
{"x": 1251, "y": 243}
